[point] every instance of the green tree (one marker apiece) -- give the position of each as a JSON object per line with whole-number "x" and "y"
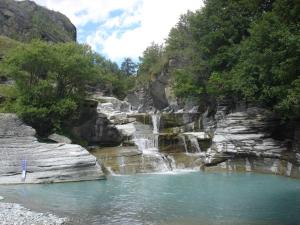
{"x": 128, "y": 67}
{"x": 268, "y": 70}
{"x": 110, "y": 78}
{"x": 152, "y": 61}
{"x": 51, "y": 81}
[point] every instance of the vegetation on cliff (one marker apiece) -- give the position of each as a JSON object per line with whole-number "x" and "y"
{"x": 25, "y": 20}
{"x": 242, "y": 50}
{"x": 52, "y": 80}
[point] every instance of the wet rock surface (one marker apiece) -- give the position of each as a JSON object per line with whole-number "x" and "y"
{"x": 44, "y": 162}
{"x": 129, "y": 160}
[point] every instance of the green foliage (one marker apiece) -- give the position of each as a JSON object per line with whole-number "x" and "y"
{"x": 268, "y": 68}
{"x": 128, "y": 67}
{"x": 6, "y": 44}
{"x": 243, "y": 50}
{"x": 51, "y": 81}
{"x": 151, "y": 64}
{"x": 111, "y": 79}
{"x": 185, "y": 85}
{"x": 9, "y": 91}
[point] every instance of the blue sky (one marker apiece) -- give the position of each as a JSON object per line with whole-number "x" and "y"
{"x": 122, "y": 28}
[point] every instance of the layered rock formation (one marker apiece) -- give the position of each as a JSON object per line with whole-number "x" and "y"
{"x": 243, "y": 141}
{"x": 25, "y": 20}
{"x": 247, "y": 140}
{"x": 45, "y": 162}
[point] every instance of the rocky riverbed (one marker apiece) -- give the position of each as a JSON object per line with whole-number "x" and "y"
{"x": 15, "y": 214}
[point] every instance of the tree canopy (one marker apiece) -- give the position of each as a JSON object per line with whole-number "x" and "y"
{"x": 242, "y": 50}
{"x": 128, "y": 67}
{"x": 52, "y": 80}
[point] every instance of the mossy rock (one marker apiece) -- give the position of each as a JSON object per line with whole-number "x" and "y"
{"x": 169, "y": 120}
{"x": 169, "y": 142}
{"x": 143, "y": 118}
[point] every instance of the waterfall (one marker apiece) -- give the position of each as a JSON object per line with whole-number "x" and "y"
{"x": 172, "y": 162}
{"x": 110, "y": 171}
{"x": 155, "y": 123}
{"x": 146, "y": 143}
{"x": 248, "y": 165}
{"x": 184, "y": 143}
{"x": 194, "y": 143}
{"x": 146, "y": 138}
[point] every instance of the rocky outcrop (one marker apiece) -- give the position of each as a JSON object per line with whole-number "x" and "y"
{"x": 45, "y": 162}
{"x": 158, "y": 94}
{"x": 25, "y": 20}
{"x": 150, "y": 97}
{"x": 141, "y": 99}
{"x": 245, "y": 140}
{"x": 59, "y": 139}
{"x": 98, "y": 131}
{"x": 95, "y": 128}
{"x": 158, "y": 91}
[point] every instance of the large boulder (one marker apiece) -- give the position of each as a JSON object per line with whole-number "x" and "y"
{"x": 25, "y": 20}
{"x": 45, "y": 162}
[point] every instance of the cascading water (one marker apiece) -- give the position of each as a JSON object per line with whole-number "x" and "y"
{"x": 156, "y": 123}
{"x": 194, "y": 143}
{"x": 147, "y": 142}
{"x": 184, "y": 143}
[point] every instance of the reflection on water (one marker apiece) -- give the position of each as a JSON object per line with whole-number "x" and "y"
{"x": 168, "y": 199}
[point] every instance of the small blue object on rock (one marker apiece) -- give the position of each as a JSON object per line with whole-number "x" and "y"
{"x": 24, "y": 165}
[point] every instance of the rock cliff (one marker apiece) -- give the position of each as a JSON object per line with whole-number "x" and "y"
{"x": 25, "y": 20}
{"x": 45, "y": 162}
{"x": 245, "y": 141}
{"x": 94, "y": 127}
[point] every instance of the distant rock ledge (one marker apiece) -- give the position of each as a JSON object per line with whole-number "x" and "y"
{"x": 46, "y": 163}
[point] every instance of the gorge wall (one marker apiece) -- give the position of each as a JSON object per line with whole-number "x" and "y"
{"x": 25, "y": 20}
{"x": 230, "y": 136}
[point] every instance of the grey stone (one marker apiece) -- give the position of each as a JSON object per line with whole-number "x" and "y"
{"x": 25, "y": 20}
{"x": 11, "y": 213}
{"x": 59, "y": 138}
{"x": 245, "y": 134}
{"x": 95, "y": 128}
{"x": 45, "y": 162}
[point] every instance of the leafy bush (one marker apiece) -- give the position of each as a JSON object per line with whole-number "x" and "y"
{"x": 51, "y": 81}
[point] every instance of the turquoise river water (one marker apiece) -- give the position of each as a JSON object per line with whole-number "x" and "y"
{"x": 169, "y": 199}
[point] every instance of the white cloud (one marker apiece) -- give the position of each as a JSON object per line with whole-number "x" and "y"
{"x": 117, "y": 37}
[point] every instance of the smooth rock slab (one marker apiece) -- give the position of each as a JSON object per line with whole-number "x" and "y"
{"x": 242, "y": 134}
{"x": 46, "y": 163}
{"x": 59, "y": 139}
